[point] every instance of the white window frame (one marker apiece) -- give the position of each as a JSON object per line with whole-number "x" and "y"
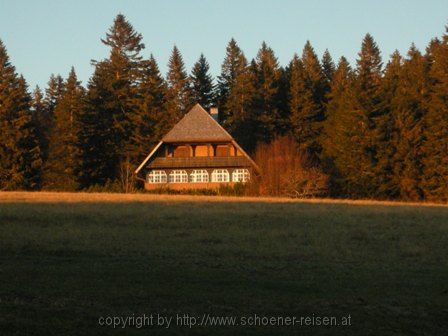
{"x": 220, "y": 175}
{"x": 156, "y": 177}
{"x": 199, "y": 176}
{"x": 178, "y": 176}
{"x": 240, "y": 175}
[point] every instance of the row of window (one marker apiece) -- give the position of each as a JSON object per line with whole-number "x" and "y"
{"x": 198, "y": 175}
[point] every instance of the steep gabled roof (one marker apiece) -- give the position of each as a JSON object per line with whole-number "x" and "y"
{"x": 197, "y": 125}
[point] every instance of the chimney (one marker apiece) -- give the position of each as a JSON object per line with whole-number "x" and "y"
{"x": 214, "y": 113}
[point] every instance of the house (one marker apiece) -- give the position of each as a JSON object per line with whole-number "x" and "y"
{"x": 197, "y": 153}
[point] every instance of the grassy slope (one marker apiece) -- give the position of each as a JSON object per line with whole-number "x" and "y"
{"x": 62, "y": 265}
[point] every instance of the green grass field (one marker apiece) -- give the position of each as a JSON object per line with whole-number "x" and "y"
{"x": 63, "y": 265}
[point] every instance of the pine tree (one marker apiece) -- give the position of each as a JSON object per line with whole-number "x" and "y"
{"x": 266, "y": 103}
{"x": 362, "y": 104}
{"x": 179, "y": 96}
{"x": 387, "y": 140}
{"x": 62, "y": 166}
{"x": 435, "y": 160}
{"x": 239, "y": 118}
{"x": 202, "y": 88}
{"x": 230, "y": 69}
{"x": 335, "y": 123}
{"x": 41, "y": 120}
{"x": 20, "y": 157}
{"x": 328, "y": 66}
{"x": 98, "y": 158}
{"x": 112, "y": 99}
{"x": 303, "y": 108}
{"x": 152, "y": 120}
{"x": 410, "y": 108}
{"x": 53, "y": 92}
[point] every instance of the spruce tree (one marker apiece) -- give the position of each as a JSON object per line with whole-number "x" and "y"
{"x": 20, "y": 157}
{"x": 61, "y": 172}
{"x": 230, "y": 69}
{"x": 334, "y": 127}
{"x": 239, "y": 118}
{"x": 410, "y": 105}
{"x": 266, "y": 72}
{"x": 98, "y": 157}
{"x": 435, "y": 160}
{"x": 179, "y": 96}
{"x": 363, "y": 105}
{"x": 152, "y": 120}
{"x": 328, "y": 66}
{"x": 305, "y": 126}
{"x": 112, "y": 99}
{"x": 202, "y": 88}
{"x": 386, "y": 129}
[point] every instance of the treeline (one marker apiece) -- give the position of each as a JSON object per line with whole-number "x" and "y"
{"x": 376, "y": 131}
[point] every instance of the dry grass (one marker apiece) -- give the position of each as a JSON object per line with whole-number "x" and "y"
{"x": 51, "y": 197}
{"x": 68, "y": 258}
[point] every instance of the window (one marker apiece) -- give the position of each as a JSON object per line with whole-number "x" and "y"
{"x": 240, "y": 175}
{"x": 178, "y": 176}
{"x": 220, "y": 175}
{"x": 156, "y": 176}
{"x": 200, "y": 175}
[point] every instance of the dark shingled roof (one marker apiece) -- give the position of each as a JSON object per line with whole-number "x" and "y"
{"x": 197, "y": 125}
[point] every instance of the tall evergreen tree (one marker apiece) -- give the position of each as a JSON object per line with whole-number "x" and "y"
{"x": 305, "y": 125}
{"x": 266, "y": 103}
{"x": 53, "y": 92}
{"x": 230, "y": 69}
{"x": 363, "y": 105}
{"x": 112, "y": 99}
{"x": 98, "y": 158}
{"x": 409, "y": 110}
{"x": 179, "y": 95}
{"x": 202, "y": 88}
{"x": 328, "y": 66}
{"x": 62, "y": 167}
{"x": 239, "y": 118}
{"x": 153, "y": 119}
{"x": 386, "y": 129}
{"x": 334, "y": 126}
{"x": 20, "y": 157}
{"x": 435, "y": 160}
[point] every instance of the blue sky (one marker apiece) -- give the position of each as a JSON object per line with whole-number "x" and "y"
{"x": 49, "y": 36}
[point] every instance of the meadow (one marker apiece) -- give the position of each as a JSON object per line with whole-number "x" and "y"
{"x": 68, "y": 259}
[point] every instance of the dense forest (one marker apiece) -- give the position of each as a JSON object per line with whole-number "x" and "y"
{"x": 375, "y": 130}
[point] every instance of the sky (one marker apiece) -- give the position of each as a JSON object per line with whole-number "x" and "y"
{"x": 49, "y": 36}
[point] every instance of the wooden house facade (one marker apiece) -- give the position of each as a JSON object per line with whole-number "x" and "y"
{"x": 197, "y": 153}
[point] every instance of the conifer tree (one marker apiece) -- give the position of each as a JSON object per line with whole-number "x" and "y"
{"x": 62, "y": 167}
{"x": 386, "y": 129}
{"x": 153, "y": 119}
{"x": 230, "y": 69}
{"x": 202, "y": 88}
{"x": 266, "y": 103}
{"x": 98, "y": 158}
{"x": 303, "y": 107}
{"x": 435, "y": 160}
{"x": 53, "y": 92}
{"x": 112, "y": 99}
{"x": 328, "y": 66}
{"x": 335, "y": 123}
{"x": 409, "y": 110}
{"x": 363, "y": 104}
{"x": 239, "y": 117}
{"x": 20, "y": 157}
{"x": 179, "y": 95}
{"x": 41, "y": 120}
